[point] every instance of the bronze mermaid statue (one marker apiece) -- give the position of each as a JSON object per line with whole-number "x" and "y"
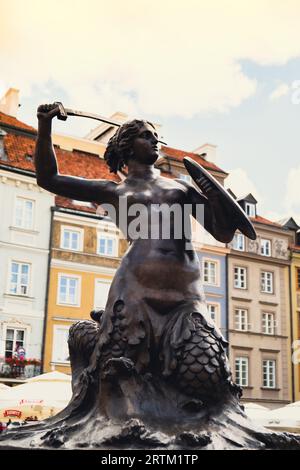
{"x": 151, "y": 368}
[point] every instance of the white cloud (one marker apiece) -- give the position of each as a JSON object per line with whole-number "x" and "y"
{"x": 280, "y": 90}
{"x": 241, "y": 184}
{"x": 142, "y": 56}
{"x": 292, "y": 197}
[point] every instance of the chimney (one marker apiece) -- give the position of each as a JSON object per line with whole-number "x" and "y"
{"x": 209, "y": 150}
{"x": 9, "y": 103}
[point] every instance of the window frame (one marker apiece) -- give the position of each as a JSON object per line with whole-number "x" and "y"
{"x": 70, "y": 228}
{"x": 265, "y": 324}
{"x": 14, "y": 340}
{"x": 262, "y": 247}
{"x": 103, "y": 281}
{"x": 245, "y": 280}
{"x": 217, "y": 272}
{"x": 53, "y": 357}
{"x": 217, "y": 319}
{"x": 185, "y": 177}
{"x": 109, "y": 236}
{"x": 239, "y": 359}
{"x": 267, "y": 383}
{"x": 19, "y": 293}
{"x": 240, "y": 310}
{"x": 250, "y": 209}
{"x": 297, "y": 278}
{"x": 234, "y": 245}
{"x": 78, "y": 297}
{"x": 261, "y": 282}
{"x": 22, "y": 226}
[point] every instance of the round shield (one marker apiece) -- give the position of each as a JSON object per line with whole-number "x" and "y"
{"x": 200, "y": 176}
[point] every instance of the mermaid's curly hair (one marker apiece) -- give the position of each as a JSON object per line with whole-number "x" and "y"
{"x": 119, "y": 147}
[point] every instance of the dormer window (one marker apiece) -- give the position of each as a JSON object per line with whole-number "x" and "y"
{"x": 185, "y": 177}
{"x": 3, "y": 155}
{"x": 250, "y": 209}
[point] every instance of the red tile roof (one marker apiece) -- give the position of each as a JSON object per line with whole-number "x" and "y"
{"x": 68, "y": 204}
{"x": 262, "y": 220}
{"x": 11, "y": 121}
{"x": 19, "y": 151}
{"x": 176, "y": 154}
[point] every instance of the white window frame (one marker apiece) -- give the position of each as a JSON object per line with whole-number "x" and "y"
{"x": 19, "y": 293}
{"x": 15, "y": 326}
{"x": 216, "y": 306}
{"x": 217, "y": 272}
{"x": 237, "y": 281}
{"x": 108, "y": 236}
{"x": 241, "y": 319}
{"x": 54, "y": 356}
{"x": 240, "y": 363}
{"x": 77, "y": 302}
{"x": 250, "y": 209}
{"x": 103, "y": 281}
{"x": 268, "y": 323}
{"x": 269, "y": 373}
{"x": 23, "y": 225}
{"x": 265, "y": 247}
{"x": 185, "y": 177}
{"x": 69, "y": 228}
{"x": 14, "y": 340}
{"x": 264, "y": 282}
{"x": 238, "y": 242}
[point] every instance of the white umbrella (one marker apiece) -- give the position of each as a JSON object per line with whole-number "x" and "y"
{"x": 42, "y": 395}
{"x": 3, "y": 386}
{"x": 257, "y": 413}
{"x": 286, "y": 418}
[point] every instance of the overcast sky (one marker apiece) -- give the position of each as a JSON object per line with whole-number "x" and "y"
{"x": 213, "y": 71}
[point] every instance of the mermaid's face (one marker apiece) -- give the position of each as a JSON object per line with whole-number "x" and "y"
{"x": 145, "y": 145}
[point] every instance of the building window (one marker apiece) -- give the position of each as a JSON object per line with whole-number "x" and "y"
{"x": 267, "y": 282}
{"x": 265, "y": 247}
{"x": 68, "y": 290}
{"x": 3, "y": 155}
{"x": 210, "y": 272}
{"x": 240, "y": 277}
{"x": 298, "y": 278}
{"x": 14, "y": 337}
{"x": 250, "y": 209}
{"x": 184, "y": 177}
{"x": 71, "y": 239}
{"x": 214, "y": 313}
{"x": 107, "y": 246}
{"x": 238, "y": 242}
{"x": 268, "y": 323}
{"x": 269, "y": 374}
{"x": 101, "y": 293}
{"x": 60, "y": 350}
{"x": 19, "y": 278}
{"x": 242, "y": 371}
{"x": 241, "y": 319}
{"x": 24, "y": 210}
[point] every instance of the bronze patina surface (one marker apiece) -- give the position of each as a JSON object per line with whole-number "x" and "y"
{"x": 150, "y": 370}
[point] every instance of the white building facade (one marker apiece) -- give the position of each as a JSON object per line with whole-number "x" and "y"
{"x": 25, "y": 212}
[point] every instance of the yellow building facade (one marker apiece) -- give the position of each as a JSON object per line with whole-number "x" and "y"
{"x": 295, "y": 294}
{"x": 85, "y": 254}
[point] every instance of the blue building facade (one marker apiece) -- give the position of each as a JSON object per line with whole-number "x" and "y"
{"x": 214, "y": 278}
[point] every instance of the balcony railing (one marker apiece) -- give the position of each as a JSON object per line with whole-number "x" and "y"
{"x": 12, "y": 368}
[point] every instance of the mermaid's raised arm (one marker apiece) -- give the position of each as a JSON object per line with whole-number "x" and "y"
{"x": 48, "y": 176}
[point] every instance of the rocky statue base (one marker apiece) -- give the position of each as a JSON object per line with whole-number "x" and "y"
{"x": 117, "y": 407}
